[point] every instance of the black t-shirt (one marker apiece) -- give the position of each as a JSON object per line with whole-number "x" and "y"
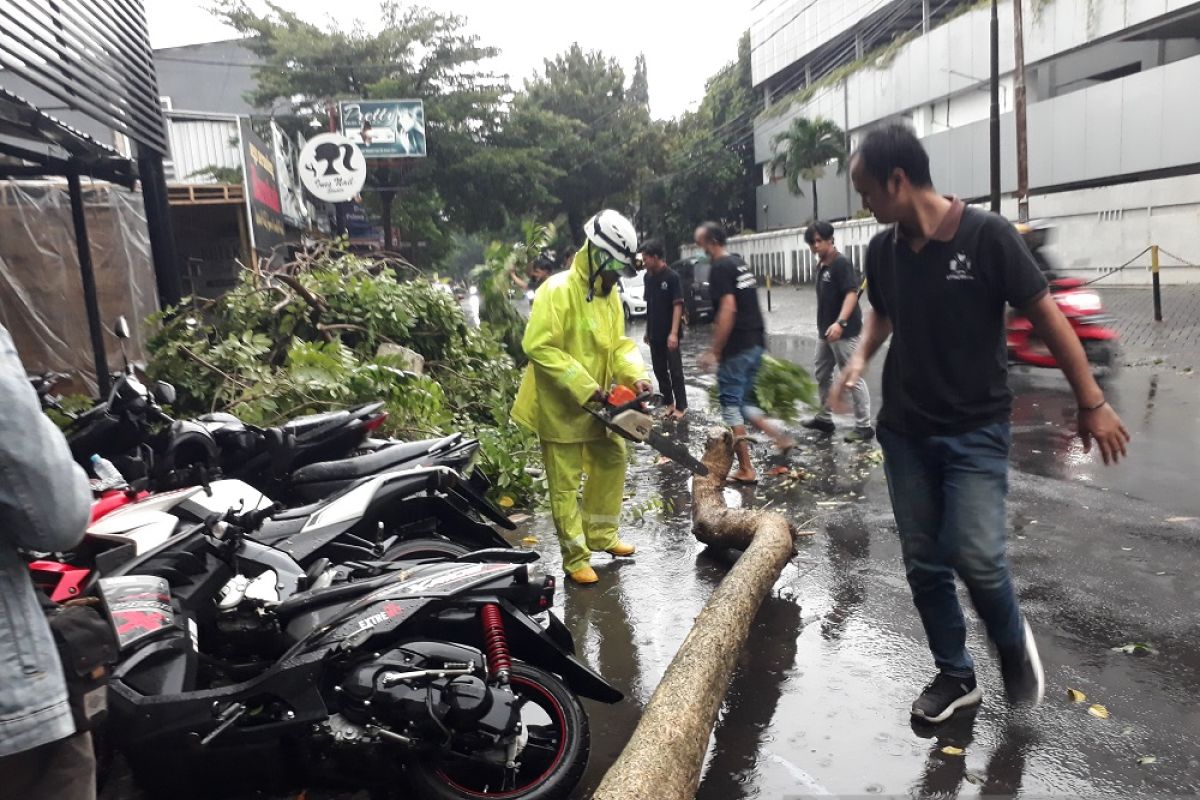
{"x": 730, "y": 275}
{"x": 833, "y": 283}
{"x": 663, "y": 291}
{"x": 947, "y": 368}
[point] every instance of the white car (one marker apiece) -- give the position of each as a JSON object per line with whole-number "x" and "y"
{"x": 633, "y": 294}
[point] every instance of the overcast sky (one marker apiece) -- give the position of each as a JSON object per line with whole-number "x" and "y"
{"x": 684, "y": 44}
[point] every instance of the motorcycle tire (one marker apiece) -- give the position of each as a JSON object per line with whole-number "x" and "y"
{"x": 566, "y": 754}
{"x": 424, "y": 547}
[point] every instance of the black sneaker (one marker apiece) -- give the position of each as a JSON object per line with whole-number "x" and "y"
{"x": 944, "y": 695}
{"x": 1024, "y": 679}
{"x": 863, "y": 434}
{"x": 819, "y": 424}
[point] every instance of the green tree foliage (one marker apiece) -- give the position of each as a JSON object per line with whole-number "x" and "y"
{"x": 309, "y": 338}
{"x": 804, "y": 150}
{"x": 494, "y": 279}
{"x": 471, "y": 178}
{"x": 595, "y": 133}
{"x": 706, "y": 168}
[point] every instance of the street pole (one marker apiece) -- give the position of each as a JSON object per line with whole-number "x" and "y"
{"x": 1019, "y": 113}
{"x": 995, "y": 110}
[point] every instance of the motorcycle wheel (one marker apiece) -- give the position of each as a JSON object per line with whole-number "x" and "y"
{"x": 426, "y": 547}
{"x": 551, "y": 764}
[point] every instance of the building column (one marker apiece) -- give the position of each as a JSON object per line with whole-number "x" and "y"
{"x": 158, "y": 224}
{"x": 858, "y": 45}
{"x": 924, "y": 16}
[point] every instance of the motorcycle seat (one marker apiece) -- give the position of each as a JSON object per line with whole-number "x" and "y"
{"x": 303, "y": 425}
{"x": 351, "y": 469}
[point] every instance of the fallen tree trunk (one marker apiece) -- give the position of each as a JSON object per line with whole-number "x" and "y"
{"x": 665, "y": 754}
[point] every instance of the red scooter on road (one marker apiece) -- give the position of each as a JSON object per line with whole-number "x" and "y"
{"x": 1082, "y": 307}
{"x": 1085, "y": 311}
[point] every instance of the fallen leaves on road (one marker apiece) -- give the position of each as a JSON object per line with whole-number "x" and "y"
{"x": 875, "y": 456}
{"x": 806, "y": 533}
{"x": 506, "y": 502}
{"x": 975, "y": 778}
{"x": 518, "y": 519}
{"x": 1144, "y": 760}
{"x": 1098, "y": 711}
{"x": 662, "y": 460}
{"x": 1135, "y": 649}
{"x": 529, "y": 540}
{"x": 951, "y": 750}
{"x": 1182, "y": 519}
{"x": 1076, "y": 696}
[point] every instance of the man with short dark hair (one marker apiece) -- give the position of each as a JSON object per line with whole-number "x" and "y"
{"x": 664, "y": 326}
{"x": 939, "y": 280}
{"x": 738, "y": 343}
{"x": 839, "y": 323}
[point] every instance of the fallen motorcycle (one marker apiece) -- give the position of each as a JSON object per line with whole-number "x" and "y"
{"x": 229, "y": 653}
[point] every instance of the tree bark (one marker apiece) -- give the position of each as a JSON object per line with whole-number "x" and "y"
{"x": 664, "y": 756}
{"x": 385, "y": 201}
{"x": 816, "y": 210}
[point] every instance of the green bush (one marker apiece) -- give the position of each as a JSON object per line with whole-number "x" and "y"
{"x": 307, "y": 339}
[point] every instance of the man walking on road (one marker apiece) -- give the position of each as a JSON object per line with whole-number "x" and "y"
{"x": 577, "y": 349}
{"x": 738, "y": 343}
{"x": 664, "y": 326}
{"x": 839, "y": 323}
{"x": 939, "y": 280}
{"x": 44, "y": 505}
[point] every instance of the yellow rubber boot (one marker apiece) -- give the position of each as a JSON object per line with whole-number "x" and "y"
{"x": 622, "y": 549}
{"x": 584, "y": 576}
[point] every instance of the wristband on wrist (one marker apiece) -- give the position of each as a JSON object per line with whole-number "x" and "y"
{"x": 1096, "y": 407}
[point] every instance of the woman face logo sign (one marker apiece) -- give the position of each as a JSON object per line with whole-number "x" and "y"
{"x": 332, "y": 168}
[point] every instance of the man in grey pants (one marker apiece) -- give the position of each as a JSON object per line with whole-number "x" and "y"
{"x": 839, "y": 324}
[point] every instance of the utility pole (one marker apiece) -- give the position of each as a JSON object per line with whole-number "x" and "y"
{"x": 995, "y": 127}
{"x": 1019, "y": 113}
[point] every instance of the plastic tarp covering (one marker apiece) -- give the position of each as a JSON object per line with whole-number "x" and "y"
{"x": 41, "y": 291}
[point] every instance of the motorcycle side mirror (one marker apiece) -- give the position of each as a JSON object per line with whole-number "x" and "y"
{"x": 121, "y": 329}
{"x": 163, "y": 393}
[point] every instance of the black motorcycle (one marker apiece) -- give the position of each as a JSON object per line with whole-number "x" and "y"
{"x": 434, "y": 671}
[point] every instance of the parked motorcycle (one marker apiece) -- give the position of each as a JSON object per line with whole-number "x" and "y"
{"x": 230, "y": 650}
{"x": 1084, "y": 309}
{"x": 421, "y": 512}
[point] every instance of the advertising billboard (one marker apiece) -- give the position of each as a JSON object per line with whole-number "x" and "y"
{"x": 385, "y": 128}
{"x": 262, "y": 190}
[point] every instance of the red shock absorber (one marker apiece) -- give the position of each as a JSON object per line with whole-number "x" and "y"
{"x": 495, "y": 643}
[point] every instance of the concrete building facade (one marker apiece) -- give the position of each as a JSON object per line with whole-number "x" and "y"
{"x": 1114, "y": 155}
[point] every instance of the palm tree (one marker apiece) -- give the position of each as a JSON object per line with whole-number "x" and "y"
{"x": 807, "y": 148}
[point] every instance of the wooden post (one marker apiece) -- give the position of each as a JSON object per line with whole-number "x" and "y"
{"x": 1019, "y": 114}
{"x": 665, "y": 754}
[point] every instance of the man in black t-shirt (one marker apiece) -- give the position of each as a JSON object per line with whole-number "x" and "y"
{"x": 839, "y": 322}
{"x": 738, "y": 343}
{"x": 664, "y": 326}
{"x": 939, "y": 280}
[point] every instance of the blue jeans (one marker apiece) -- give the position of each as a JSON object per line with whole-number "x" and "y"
{"x": 735, "y": 381}
{"x": 948, "y": 496}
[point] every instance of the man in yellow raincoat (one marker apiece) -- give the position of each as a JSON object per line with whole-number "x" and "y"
{"x": 577, "y": 349}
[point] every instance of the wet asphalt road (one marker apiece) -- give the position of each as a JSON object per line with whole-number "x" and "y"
{"x": 1102, "y": 557}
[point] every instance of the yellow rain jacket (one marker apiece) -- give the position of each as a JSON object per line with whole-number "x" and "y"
{"x": 574, "y": 348}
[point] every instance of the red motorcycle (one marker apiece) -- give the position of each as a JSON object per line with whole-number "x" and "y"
{"x": 1085, "y": 311}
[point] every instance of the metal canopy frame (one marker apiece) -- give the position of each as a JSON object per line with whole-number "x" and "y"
{"x": 69, "y": 154}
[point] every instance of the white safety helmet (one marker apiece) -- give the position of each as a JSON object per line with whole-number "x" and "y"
{"x": 612, "y": 233}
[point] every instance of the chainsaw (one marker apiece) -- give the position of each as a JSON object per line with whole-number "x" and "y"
{"x": 628, "y": 415}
